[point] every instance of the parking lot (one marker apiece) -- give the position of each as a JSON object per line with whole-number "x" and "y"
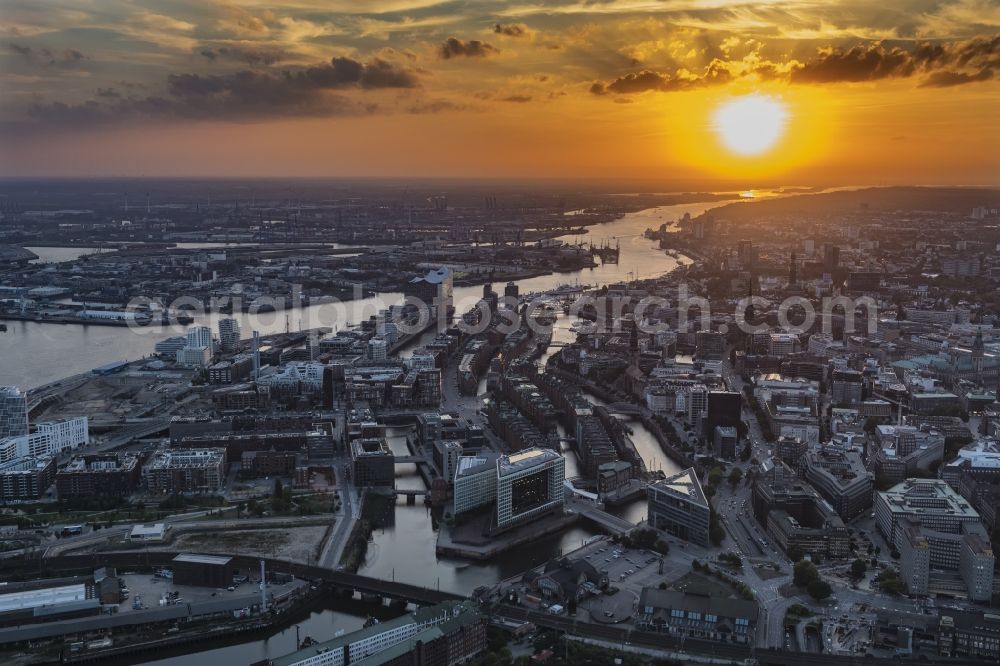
{"x": 146, "y": 590}
{"x": 622, "y": 564}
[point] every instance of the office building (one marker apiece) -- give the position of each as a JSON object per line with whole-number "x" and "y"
{"x": 782, "y": 344}
{"x": 897, "y": 451}
{"x": 475, "y": 482}
{"x": 936, "y": 530}
{"x": 831, "y": 257}
{"x": 930, "y": 502}
{"x": 839, "y": 475}
{"x": 969, "y": 634}
{"x": 697, "y": 405}
{"x": 13, "y": 412}
{"x": 374, "y": 464}
{"x": 529, "y": 484}
{"x": 677, "y": 505}
{"x": 229, "y": 335}
{"x": 724, "y": 409}
{"x": 797, "y": 517}
{"x": 846, "y": 388}
{"x": 710, "y": 345}
{"x": 378, "y": 349}
{"x": 724, "y": 439}
{"x": 446, "y": 454}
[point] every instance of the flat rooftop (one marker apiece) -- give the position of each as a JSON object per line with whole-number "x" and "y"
{"x": 684, "y": 485}
{"x": 523, "y": 460}
{"x": 197, "y": 558}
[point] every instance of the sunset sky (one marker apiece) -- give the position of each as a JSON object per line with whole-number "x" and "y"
{"x": 898, "y": 92}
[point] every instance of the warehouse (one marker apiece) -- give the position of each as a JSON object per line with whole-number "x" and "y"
{"x": 202, "y": 570}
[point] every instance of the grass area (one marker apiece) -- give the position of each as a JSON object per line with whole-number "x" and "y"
{"x": 696, "y": 582}
{"x": 263, "y": 541}
{"x": 795, "y": 613}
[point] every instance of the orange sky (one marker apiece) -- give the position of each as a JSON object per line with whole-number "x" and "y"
{"x": 604, "y": 88}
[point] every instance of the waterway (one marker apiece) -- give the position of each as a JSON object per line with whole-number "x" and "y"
{"x": 32, "y": 354}
{"x": 404, "y": 550}
{"x": 321, "y": 625}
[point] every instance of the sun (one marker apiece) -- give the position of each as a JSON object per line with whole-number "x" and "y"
{"x": 751, "y": 124}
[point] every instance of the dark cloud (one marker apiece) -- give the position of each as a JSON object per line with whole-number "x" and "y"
{"x": 648, "y": 80}
{"x": 455, "y": 48}
{"x": 249, "y": 56}
{"x": 517, "y": 99}
{"x": 19, "y": 49}
{"x": 511, "y": 29}
{"x": 46, "y": 56}
{"x": 948, "y": 78}
{"x": 859, "y": 63}
{"x": 109, "y": 93}
{"x": 876, "y": 61}
{"x": 246, "y": 94}
{"x": 937, "y": 64}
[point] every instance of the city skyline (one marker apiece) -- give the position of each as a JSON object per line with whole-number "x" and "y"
{"x": 858, "y": 94}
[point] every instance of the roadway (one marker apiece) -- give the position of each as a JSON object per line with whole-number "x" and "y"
{"x": 347, "y": 516}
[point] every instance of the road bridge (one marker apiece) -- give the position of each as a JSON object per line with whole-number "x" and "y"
{"x": 626, "y": 408}
{"x": 589, "y": 510}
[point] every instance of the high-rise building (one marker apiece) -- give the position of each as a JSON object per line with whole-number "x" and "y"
{"x": 199, "y": 336}
{"x": 229, "y": 335}
{"x": 678, "y": 506}
{"x": 378, "y": 349}
{"x": 13, "y": 412}
{"x": 723, "y": 409}
{"x": 529, "y": 483}
{"x": 831, "y": 256}
{"x": 697, "y": 404}
{"x": 747, "y": 254}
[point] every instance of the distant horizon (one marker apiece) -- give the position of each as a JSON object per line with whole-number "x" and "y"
{"x": 639, "y": 184}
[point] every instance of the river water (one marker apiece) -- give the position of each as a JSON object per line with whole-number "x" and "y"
{"x": 33, "y": 354}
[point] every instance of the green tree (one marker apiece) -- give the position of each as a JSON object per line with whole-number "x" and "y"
{"x": 735, "y": 476}
{"x": 804, "y": 573}
{"x": 819, "y": 589}
{"x": 858, "y": 568}
{"x": 715, "y": 476}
